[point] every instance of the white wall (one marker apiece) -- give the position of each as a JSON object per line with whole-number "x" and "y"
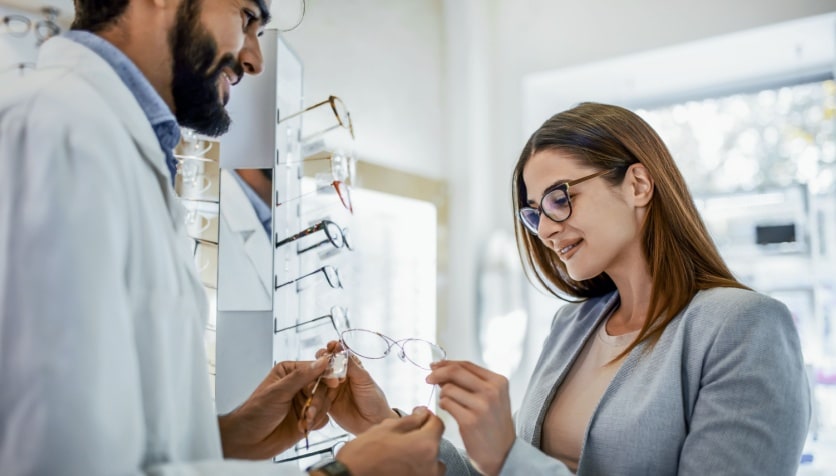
{"x": 385, "y": 60}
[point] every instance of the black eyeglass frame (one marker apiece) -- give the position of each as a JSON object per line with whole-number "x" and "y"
{"x": 562, "y": 188}
{"x": 336, "y": 236}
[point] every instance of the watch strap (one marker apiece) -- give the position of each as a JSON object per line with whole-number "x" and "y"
{"x": 331, "y": 468}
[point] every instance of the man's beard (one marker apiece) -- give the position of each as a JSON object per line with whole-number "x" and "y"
{"x": 194, "y": 87}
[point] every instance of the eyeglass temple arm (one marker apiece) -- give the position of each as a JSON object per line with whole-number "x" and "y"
{"x": 299, "y": 113}
{"x": 327, "y": 316}
{"x": 307, "y": 231}
{"x": 276, "y": 278}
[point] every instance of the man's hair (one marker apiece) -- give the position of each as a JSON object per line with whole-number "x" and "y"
{"x": 96, "y": 15}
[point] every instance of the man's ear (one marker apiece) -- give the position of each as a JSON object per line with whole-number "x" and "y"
{"x": 641, "y": 184}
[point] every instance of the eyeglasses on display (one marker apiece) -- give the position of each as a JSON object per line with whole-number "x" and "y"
{"x": 374, "y": 345}
{"x": 19, "y": 25}
{"x": 555, "y": 204}
{"x": 331, "y": 323}
{"x": 343, "y": 166}
{"x": 326, "y": 448}
{"x": 339, "y": 110}
{"x": 343, "y": 192}
{"x": 336, "y": 236}
{"x": 332, "y": 276}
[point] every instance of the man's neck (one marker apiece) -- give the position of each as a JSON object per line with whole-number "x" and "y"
{"x": 149, "y": 51}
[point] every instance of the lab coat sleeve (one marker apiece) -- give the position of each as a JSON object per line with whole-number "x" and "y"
{"x": 70, "y": 391}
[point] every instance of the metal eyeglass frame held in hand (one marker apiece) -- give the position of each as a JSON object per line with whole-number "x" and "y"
{"x": 332, "y": 275}
{"x": 555, "y": 204}
{"x": 338, "y": 237}
{"x": 339, "y": 110}
{"x": 374, "y": 345}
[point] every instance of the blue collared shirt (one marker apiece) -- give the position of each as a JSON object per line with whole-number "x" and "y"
{"x": 262, "y": 210}
{"x": 156, "y": 110}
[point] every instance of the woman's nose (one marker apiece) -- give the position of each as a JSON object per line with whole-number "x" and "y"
{"x": 547, "y": 228}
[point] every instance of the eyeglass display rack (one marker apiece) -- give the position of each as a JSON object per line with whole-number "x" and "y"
{"x": 248, "y": 343}
{"x": 22, "y": 31}
{"x": 255, "y": 141}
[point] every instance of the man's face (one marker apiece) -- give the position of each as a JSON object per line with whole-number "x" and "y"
{"x": 213, "y": 43}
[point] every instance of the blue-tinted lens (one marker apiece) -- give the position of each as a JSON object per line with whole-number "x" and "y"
{"x": 530, "y": 218}
{"x": 556, "y": 205}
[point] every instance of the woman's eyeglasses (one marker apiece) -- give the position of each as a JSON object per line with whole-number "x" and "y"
{"x": 343, "y": 192}
{"x": 555, "y": 204}
{"x": 374, "y": 345}
{"x": 339, "y": 110}
{"x": 336, "y": 236}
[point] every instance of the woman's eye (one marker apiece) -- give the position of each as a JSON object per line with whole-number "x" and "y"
{"x": 556, "y": 199}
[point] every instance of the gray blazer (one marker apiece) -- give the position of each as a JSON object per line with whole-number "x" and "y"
{"x": 722, "y": 392}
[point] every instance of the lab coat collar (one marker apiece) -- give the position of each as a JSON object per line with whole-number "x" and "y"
{"x": 63, "y": 53}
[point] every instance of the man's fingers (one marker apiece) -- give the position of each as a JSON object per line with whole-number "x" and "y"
{"x": 433, "y": 425}
{"x": 293, "y": 376}
{"x": 411, "y": 422}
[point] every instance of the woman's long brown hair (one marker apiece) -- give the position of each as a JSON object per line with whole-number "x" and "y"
{"x": 681, "y": 256}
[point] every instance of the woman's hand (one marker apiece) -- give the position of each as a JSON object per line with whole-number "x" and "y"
{"x": 357, "y": 402}
{"x": 478, "y": 399}
{"x": 269, "y": 421}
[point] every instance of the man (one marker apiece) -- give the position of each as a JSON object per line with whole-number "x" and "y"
{"x": 101, "y": 314}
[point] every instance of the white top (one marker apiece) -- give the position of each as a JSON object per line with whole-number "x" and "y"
{"x": 564, "y": 428}
{"x": 102, "y": 362}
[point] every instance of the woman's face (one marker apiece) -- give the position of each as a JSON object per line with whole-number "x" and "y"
{"x": 603, "y": 232}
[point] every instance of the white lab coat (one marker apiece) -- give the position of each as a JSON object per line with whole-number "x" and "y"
{"x": 102, "y": 364}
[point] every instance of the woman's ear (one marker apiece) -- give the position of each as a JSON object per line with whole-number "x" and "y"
{"x": 641, "y": 184}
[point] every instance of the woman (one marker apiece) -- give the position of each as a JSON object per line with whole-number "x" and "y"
{"x": 664, "y": 363}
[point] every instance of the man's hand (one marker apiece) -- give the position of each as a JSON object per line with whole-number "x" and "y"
{"x": 479, "y": 401}
{"x": 357, "y": 403}
{"x": 269, "y": 421}
{"x": 405, "y": 447}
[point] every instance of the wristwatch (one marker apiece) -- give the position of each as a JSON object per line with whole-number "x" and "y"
{"x": 330, "y": 468}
